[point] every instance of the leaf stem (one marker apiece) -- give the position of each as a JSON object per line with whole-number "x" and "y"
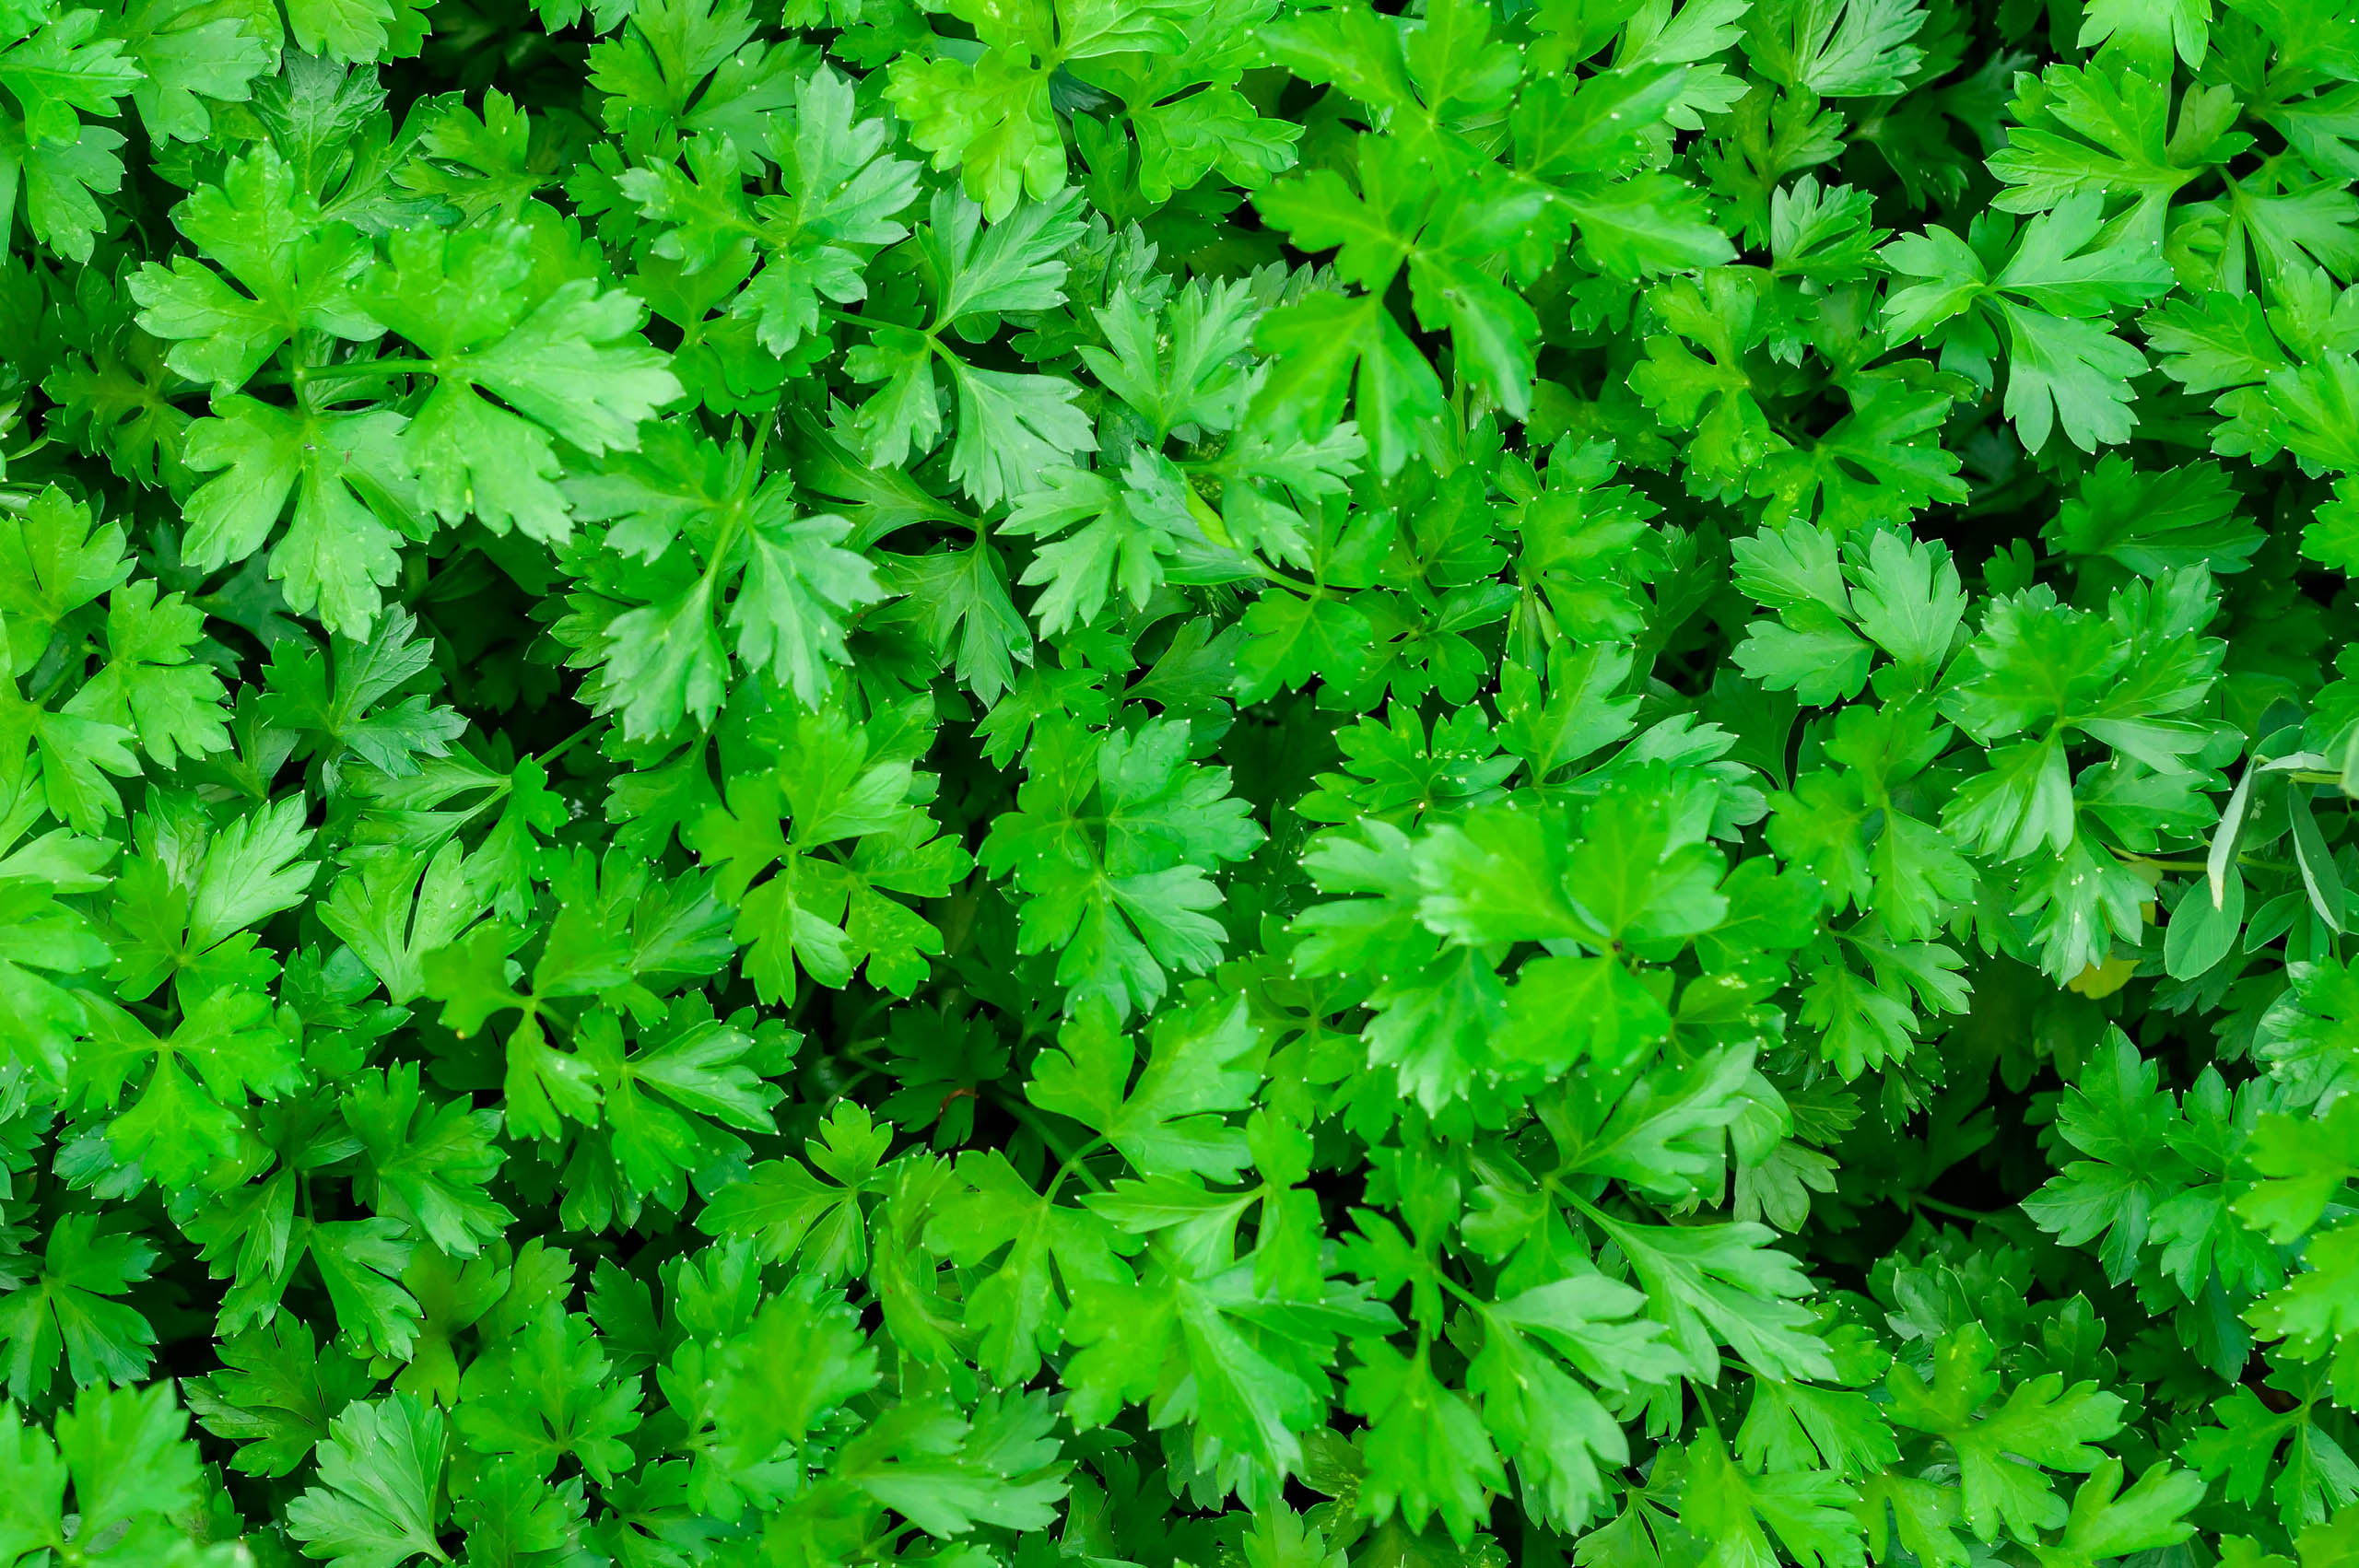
{"x": 571, "y": 741}
{"x": 1924, "y": 1200}
{"x": 1073, "y": 1163}
{"x": 2255, "y": 861}
{"x": 304, "y": 375}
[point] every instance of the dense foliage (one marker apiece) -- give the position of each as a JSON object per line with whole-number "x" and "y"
{"x": 1225, "y": 782}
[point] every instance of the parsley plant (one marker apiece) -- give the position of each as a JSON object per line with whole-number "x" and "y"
{"x": 1135, "y": 783}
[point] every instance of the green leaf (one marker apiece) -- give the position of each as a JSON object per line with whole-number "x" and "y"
{"x": 1123, "y": 896}
{"x": 2109, "y": 1521}
{"x": 374, "y": 1504}
{"x": 355, "y": 498}
{"x": 1724, "y": 1284}
{"x": 2003, "y": 1449}
{"x": 296, "y": 270}
{"x": 2117, "y": 1116}
{"x": 276, "y": 1395}
{"x": 1167, "y": 1123}
{"x": 427, "y": 1164}
{"x": 561, "y": 357}
{"x": 546, "y": 1394}
{"x": 133, "y": 1473}
{"x": 65, "y": 1310}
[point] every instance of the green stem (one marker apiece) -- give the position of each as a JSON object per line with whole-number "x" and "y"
{"x": 1308, "y": 590}
{"x": 876, "y": 1551}
{"x": 1073, "y": 1163}
{"x": 571, "y": 741}
{"x": 304, "y": 375}
{"x": 1951, "y": 1210}
{"x": 2255, "y": 861}
{"x": 859, "y": 1058}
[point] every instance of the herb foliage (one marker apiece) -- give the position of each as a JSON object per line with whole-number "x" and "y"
{"x": 1225, "y": 782}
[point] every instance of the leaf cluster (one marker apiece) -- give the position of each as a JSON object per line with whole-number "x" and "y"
{"x": 1244, "y": 783}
